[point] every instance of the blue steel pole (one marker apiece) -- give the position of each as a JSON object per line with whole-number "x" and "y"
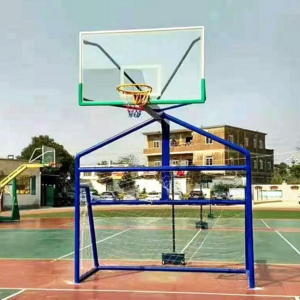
{"x": 205, "y": 133}
{"x": 165, "y": 187}
{"x": 249, "y": 225}
{"x": 77, "y": 188}
{"x": 92, "y": 227}
{"x": 77, "y": 220}
{"x": 161, "y": 169}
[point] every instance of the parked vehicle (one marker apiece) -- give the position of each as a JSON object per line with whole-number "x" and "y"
{"x": 222, "y": 196}
{"x": 109, "y": 196}
{"x": 153, "y": 196}
{"x": 65, "y": 198}
{"x": 129, "y": 197}
{"x": 177, "y": 196}
{"x": 197, "y": 195}
{"x": 95, "y": 195}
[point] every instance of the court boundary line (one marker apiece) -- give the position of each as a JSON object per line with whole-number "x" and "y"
{"x": 13, "y": 295}
{"x": 188, "y": 244}
{"x": 151, "y": 292}
{"x": 288, "y": 242}
{"x": 103, "y": 240}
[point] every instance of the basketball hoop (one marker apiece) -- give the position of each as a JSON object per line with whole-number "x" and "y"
{"x": 136, "y": 96}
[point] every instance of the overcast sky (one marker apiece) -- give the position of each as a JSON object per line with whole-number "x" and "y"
{"x": 252, "y": 69}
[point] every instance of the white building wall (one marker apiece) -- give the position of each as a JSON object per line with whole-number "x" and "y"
{"x": 151, "y": 185}
{"x": 25, "y": 201}
{"x": 283, "y": 192}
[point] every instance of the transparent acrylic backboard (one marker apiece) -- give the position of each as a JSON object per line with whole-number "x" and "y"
{"x": 48, "y": 155}
{"x": 170, "y": 60}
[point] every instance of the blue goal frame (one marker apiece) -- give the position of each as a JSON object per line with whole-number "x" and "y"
{"x": 160, "y": 116}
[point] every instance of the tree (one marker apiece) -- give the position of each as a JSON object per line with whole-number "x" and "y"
{"x": 196, "y": 177}
{"x": 105, "y": 178}
{"x": 130, "y": 160}
{"x": 295, "y": 171}
{"x": 294, "y": 177}
{"x": 282, "y": 169}
{"x": 127, "y": 182}
{"x": 276, "y": 178}
{"x": 64, "y": 159}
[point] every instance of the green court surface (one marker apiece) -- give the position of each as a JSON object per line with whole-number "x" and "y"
{"x": 276, "y": 241}
{"x": 7, "y": 293}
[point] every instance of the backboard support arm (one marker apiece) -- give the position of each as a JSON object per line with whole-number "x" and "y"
{"x": 178, "y": 66}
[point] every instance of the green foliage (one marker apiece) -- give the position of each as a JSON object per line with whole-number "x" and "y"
{"x": 127, "y": 182}
{"x": 283, "y": 172}
{"x": 196, "y": 177}
{"x": 64, "y": 159}
{"x": 282, "y": 169}
{"x": 295, "y": 171}
{"x": 105, "y": 178}
{"x": 130, "y": 160}
{"x": 276, "y": 179}
{"x": 220, "y": 188}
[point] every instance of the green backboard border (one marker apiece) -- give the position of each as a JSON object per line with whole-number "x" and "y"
{"x": 92, "y": 102}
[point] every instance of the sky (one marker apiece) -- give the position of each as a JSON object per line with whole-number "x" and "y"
{"x": 252, "y": 70}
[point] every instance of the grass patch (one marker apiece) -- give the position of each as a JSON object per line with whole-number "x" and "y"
{"x": 180, "y": 213}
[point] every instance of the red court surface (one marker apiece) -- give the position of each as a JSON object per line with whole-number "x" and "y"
{"x": 29, "y": 276}
{"x": 42, "y": 279}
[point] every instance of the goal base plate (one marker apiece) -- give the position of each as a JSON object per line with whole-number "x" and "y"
{"x": 173, "y": 258}
{"x": 201, "y": 225}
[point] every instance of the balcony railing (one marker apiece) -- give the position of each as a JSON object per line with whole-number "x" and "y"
{"x": 186, "y": 147}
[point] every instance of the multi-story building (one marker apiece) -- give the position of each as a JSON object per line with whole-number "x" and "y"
{"x": 190, "y": 148}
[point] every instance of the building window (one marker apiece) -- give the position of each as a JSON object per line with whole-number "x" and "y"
{"x": 261, "y": 164}
{"x": 157, "y": 163}
{"x": 255, "y": 164}
{"x": 208, "y": 140}
{"x": 86, "y": 174}
{"x": 175, "y": 162}
{"x": 246, "y": 142}
{"x": 33, "y": 185}
{"x": 156, "y": 144}
{"x": 23, "y": 185}
{"x": 261, "y": 144}
{"x": 188, "y": 140}
{"x": 189, "y": 162}
{"x": 231, "y": 161}
{"x": 209, "y": 160}
{"x": 255, "y": 142}
{"x": 269, "y": 166}
{"x": 231, "y": 138}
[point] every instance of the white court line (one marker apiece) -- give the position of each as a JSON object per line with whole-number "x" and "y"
{"x": 266, "y": 224}
{"x": 203, "y": 241}
{"x": 13, "y": 295}
{"x": 66, "y": 224}
{"x": 190, "y": 241}
{"x": 155, "y": 292}
{"x": 103, "y": 240}
{"x": 196, "y": 236}
{"x": 289, "y": 243}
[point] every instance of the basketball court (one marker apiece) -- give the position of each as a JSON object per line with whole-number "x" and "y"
{"x": 43, "y": 265}
{"x": 150, "y": 249}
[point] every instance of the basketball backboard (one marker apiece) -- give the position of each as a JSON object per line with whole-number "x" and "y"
{"x": 47, "y": 157}
{"x": 170, "y": 60}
